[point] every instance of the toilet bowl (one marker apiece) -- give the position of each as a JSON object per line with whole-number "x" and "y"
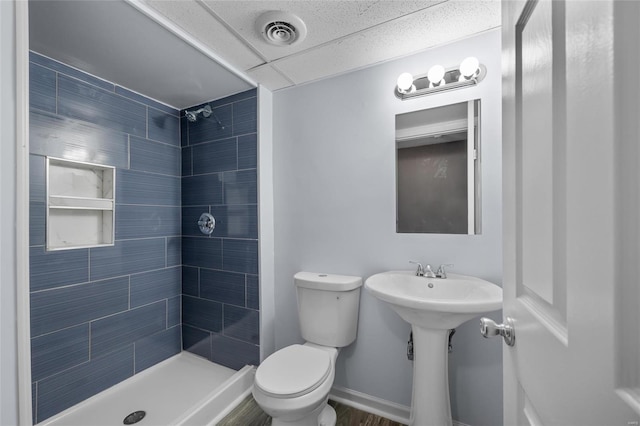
{"x": 292, "y": 385}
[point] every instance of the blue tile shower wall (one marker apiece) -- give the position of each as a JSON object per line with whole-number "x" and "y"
{"x": 220, "y": 304}
{"x": 101, "y": 315}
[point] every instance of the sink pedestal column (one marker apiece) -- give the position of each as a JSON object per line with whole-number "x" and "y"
{"x": 430, "y": 405}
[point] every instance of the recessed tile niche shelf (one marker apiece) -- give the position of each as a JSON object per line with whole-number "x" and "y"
{"x": 80, "y": 204}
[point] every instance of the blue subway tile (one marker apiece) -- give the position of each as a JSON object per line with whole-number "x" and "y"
{"x": 240, "y": 256}
{"x": 174, "y": 251}
{"x": 154, "y": 157}
{"x": 217, "y": 126}
{"x": 107, "y": 109}
{"x": 72, "y": 72}
{"x": 174, "y": 311}
{"x": 164, "y": 127}
{"x": 187, "y": 169}
{"x": 242, "y": 323}
{"x": 49, "y": 269}
{"x": 223, "y": 286}
{"x": 217, "y": 156}
{"x": 190, "y": 281}
{"x": 37, "y": 218}
{"x": 149, "y": 287}
{"x": 37, "y": 179}
{"x": 111, "y": 333}
{"x": 62, "y": 137}
{"x": 204, "y": 189}
{"x": 201, "y": 313}
{"x": 158, "y": 347}
{"x": 245, "y": 116}
{"x": 203, "y": 252}
{"x": 68, "y": 306}
{"x": 184, "y": 130}
{"x": 235, "y": 221}
{"x": 56, "y": 393}
{"x": 248, "y": 151}
{"x": 190, "y": 217}
{"x": 196, "y": 341}
{"x": 127, "y": 257}
{"x": 55, "y": 352}
{"x": 42, "y": 88}
{"x": 240, "y": 187}
{"x": 134, "y": 187}
{"x": 233, "y": 353}
{"x": 134, "y": 221}
{"x": 253, "y": 292}
{"x": 34, "y": 405}
{"x": 145, "y": 100}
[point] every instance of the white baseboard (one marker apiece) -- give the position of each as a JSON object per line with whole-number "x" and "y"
{"x": 371, "y": 404}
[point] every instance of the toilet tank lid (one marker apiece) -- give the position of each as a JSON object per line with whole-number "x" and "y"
{"x": 330, "y": 282}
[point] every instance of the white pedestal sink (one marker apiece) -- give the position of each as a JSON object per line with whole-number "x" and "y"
{"x": 433, "y": 306}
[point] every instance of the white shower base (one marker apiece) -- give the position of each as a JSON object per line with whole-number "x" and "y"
{"x": 182, "y": 390}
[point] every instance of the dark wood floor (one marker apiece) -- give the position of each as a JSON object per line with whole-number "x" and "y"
{"x": 248, "y": 413}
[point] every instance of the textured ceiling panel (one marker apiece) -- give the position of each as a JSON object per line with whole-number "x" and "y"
{"x": 325, "y": 20}
{"x": 437, "y": 25}
{"x": 196, "y": 20}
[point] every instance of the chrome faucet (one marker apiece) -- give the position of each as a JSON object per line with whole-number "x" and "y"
{"x": 425, "y": 271}
{"x": 441, "y": 273}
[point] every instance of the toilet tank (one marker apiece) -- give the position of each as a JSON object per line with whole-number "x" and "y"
{"x": 328, "y": 307}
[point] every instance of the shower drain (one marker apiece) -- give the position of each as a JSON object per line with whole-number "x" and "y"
{"x": 134, "y": 417}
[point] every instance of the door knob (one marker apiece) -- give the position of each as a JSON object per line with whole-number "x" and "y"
{"x": 489, "y": 328}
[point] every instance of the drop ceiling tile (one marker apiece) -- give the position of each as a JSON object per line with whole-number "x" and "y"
{"x": 438, "y": 25}
{"x": 269, "y": 77}
{"x": 325, "y": 20}
{"x": 197, "y": 21}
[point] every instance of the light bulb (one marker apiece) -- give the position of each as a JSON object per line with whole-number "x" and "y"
{"x": 469, "y": 67}
{"x": 435, "y": 74}
{"x": 405, "y": 82}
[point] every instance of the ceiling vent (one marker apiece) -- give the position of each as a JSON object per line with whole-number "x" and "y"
{"x": 281, "y": 28}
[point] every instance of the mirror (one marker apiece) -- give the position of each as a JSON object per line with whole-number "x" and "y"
{"x": 438, "y": 170}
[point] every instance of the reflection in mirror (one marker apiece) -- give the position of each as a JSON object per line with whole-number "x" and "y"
{"x": 438, "y": 170}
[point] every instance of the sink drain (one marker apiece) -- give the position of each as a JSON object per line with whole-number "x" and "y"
{"x": 134, "y": 417}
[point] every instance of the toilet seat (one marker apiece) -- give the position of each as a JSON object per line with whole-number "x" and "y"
{"x": 293, "y": 371}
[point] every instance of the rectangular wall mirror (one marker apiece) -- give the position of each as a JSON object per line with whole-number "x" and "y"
{"x": 438, "y": 170}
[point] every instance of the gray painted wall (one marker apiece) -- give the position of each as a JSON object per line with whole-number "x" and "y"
{"x": 334, "y": 191}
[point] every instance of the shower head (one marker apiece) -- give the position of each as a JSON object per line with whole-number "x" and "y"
{"x": 193, "y": 114}
{"x": 206, "y": 112}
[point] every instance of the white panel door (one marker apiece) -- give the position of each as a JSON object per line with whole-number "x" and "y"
{"x": 571, "y": 212}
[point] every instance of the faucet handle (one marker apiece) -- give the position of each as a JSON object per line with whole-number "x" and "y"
{"x": 420, "y": 271}
{"x": 441, "y": 273}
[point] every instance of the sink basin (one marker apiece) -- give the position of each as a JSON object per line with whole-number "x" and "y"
{"x": 433, "y": 306}
{"x": 435, "y": 302}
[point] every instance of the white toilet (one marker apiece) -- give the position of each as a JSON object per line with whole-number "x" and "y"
{"x": 292, "y": 385}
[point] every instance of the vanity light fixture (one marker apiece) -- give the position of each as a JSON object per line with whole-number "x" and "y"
{"x": 438, "y": 79}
